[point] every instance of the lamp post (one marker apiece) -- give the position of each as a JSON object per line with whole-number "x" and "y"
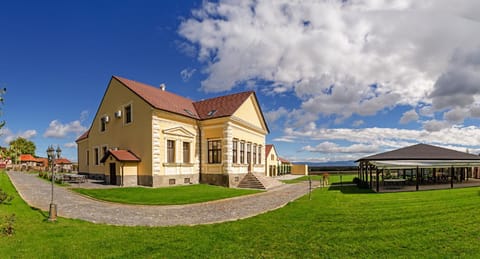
{"x": 52, "y": 215}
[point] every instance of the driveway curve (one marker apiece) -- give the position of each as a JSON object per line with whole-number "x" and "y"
{"x": 37, "y": 193}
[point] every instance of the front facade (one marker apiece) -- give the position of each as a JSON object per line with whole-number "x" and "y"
{"x": 143, "y": 135}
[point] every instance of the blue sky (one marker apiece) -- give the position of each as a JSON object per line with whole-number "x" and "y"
{"x": 337, "y": 80}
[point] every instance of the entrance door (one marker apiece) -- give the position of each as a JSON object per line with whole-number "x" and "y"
{"x": 113, "y": 174}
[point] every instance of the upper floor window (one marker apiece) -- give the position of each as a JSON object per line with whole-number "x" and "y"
{"x": 235, "y": 151}
{"x": 186, "y": 152}
{"x": 170, "y": 151}
{"x": 214, "y": 151}
{"x": 272, "y": 157}
{"x": 103, "y": 124}
{"x": 128, "y": 114}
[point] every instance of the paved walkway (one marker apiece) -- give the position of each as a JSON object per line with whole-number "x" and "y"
{"x": 37, "y": 193}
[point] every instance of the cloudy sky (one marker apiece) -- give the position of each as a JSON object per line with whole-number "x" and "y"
{"x": 337, "y": 80}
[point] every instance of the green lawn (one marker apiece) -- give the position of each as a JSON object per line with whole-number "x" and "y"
{"x": 165, "y": 196}
{"x": 332, "y": 178}
{"x": 340, "y": 223}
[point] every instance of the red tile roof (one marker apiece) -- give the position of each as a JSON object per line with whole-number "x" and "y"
{"x": 27, "y": 158}
{"x": 83, "y": 136}
{"x": 63, "y": 161}
{"x": 121, "y": 155}
{"x": 217, "y": 107}
{"x": 283, "y": 160}
{"x": 268, "y": 147}
{"x": 160, "y": 99}
{"x": 221, "y": 106}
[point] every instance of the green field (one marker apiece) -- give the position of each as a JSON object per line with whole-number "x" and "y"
{"x": 338, "y": 222}
{"x": 165, "y": 196}
{"x": 332, "y": 178}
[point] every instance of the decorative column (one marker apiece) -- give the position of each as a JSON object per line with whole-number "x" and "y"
{"x": 227, "y": 149}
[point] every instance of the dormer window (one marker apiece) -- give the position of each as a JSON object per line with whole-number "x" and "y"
{"x": 188, "y": 112}
{"x": 211, "y": 113}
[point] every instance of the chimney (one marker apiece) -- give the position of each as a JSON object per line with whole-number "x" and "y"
{"x": 162, "y": 87}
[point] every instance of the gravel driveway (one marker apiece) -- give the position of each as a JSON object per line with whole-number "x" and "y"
{"x": 37, "y": 193}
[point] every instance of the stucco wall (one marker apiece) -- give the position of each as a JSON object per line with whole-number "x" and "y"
{"x": 300, "y": 169}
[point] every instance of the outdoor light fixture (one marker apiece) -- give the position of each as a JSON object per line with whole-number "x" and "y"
{"x": 52, "y": 215}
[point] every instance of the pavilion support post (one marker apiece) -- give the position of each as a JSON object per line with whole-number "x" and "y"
{"x": 451, "y": 176}
{"x": 434, "y": 175}
{"x": 417, "y": 176}
{"x": 404, "y": 174}
{"x": 371, "y": 185}
{"x": 358, "y": 170}
{"x": 378, "y": 182}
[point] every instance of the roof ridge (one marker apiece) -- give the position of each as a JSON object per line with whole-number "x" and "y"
{"x": 224, "y": 96}
{"x": 149, "y": 85}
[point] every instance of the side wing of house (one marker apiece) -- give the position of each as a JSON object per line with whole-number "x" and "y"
{"x": 123, "y": 121}
{"x": 271, "y": 161}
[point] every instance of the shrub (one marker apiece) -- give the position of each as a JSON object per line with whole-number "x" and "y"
{"x": 5, "y": 197}
{"x": 8, "y": 225}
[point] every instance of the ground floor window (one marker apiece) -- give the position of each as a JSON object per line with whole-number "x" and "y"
{"x": 235, "y": 150}
{"x": 214, "y": 152}
{"x": 186, "y": 152}
{"x": 170, "y": 151}
{"x": 96, "y": 156}
{"x": 254, "y": 154}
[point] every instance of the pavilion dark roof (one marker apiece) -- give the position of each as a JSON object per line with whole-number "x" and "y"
{"x": 421, "y": 152}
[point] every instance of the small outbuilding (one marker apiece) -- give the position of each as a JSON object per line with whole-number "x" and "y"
{"x": 419, "y": 164}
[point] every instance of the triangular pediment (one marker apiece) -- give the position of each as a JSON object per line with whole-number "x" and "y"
{"x": 179, "y": 131}
{"x": 250, "y": 113}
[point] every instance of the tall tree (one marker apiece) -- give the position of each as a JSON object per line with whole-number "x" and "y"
{"x": 22, "y": 146}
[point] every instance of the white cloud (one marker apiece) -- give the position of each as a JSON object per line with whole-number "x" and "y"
{"x": 409, "y": 116}
{"x": 435, "y": 125}
{"x": 330, "y": 147}
{"x": 274, "y": 115}
{"x": 342, "y": 57}
{"x": 186, "y": 74}
{"x": 468, "y": 136}
{"x": 84, "y": 115}
{"x": 358, "y": 123}
{"x": 456, "y": 115}
{"x": 56, "y": 129}
{"x": 70, "y": 145}
{"x": 8, "y": 135}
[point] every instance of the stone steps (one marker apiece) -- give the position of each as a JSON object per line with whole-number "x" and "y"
{"x": 258, "y": 181}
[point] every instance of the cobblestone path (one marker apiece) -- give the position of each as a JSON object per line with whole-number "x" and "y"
{"x": 37, "y": 193}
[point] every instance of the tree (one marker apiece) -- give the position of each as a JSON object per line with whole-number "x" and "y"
{"x": 22, "y": 146}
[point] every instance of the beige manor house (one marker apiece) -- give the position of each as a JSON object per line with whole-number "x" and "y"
{"x": 145, "y": 135}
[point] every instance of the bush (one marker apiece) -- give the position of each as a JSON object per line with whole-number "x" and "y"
{"x": 8, "y": 225}
{"x": 5, "y": 197}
